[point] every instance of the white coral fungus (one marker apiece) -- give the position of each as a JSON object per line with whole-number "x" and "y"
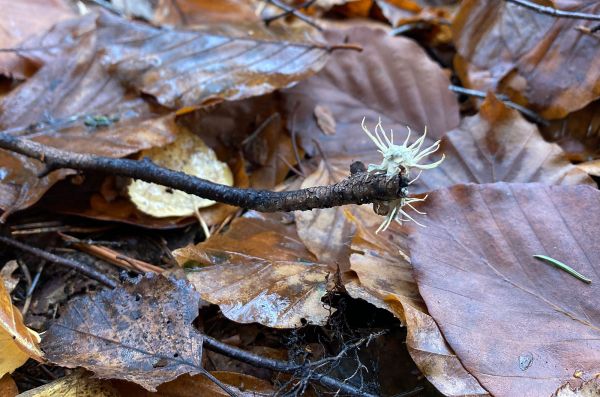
{"x": 400, "y": 158}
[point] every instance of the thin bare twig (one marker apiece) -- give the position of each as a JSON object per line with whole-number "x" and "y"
{"x": 480, "y": 94}
{"x": 359, "y": 188}
{"x": 291, "y": 10}
{"x": 280, "y": 366}
{"x": 80, "y": 267}
{"x": 553, "y": 11}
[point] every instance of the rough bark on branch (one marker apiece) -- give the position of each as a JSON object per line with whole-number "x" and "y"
{"x": 359, "y": 188}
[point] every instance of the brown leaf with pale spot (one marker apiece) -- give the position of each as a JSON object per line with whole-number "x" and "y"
{"x": 540, "y": 61}
{"x": 142, "y": 333}
{"x": 259, "y": 271}
{"x": 495, "y": 145}
{"x": 520, "y": 326}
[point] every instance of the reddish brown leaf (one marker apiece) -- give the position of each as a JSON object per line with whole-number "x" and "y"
{"x": 21, "y": 20}
{"x": 259, "y": 271}
{"x": 519, "y": 325}
{"x": 142, "y": 333}
{"x": 392, "y": 78}
{"x": 385, "y": 279}
{"x": 541, "y": 61}
{"x": 8, "y": 387}
{"x": 498, "y": 144}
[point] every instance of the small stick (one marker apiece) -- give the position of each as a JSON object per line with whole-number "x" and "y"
{"x": 80, "y": 267}
{"x": 480, "y": 94}
{"x": 359, "y": 188}
{"x": 553, "y": 11}
{"x": 284, "y": 14}
{"x": 564, "y": 267}
{"x": 294, "y": 11}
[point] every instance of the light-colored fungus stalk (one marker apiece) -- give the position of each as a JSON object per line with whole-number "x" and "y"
{"x": 401, "y": 158}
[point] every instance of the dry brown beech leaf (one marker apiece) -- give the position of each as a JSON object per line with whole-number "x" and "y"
{"x": 189, "y": 12}
{"x": 520, "y": 326}
{"x": 73, "y": 104}
{"x": 198, "y": 385}
{"x": 8, "y": 387}
{"x": 142, "y": 333}
{"x": 214, "y": 62}
{"x": 326, "y": 232}
{"x": 385, "y": 279}
{"x": 495, "y": 145}
{"x": 392, "y": 78}
{"x": 590, "y": 388}
{"x": 77, "y": 384}
{"x": 22, "y": 19}
{"x": 17, "y": 342}
{"x": 541, "y": 61}
{"x": 259, "y": 271}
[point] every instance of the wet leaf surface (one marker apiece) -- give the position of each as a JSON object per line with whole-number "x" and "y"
{"x": 142, "y": 333}
{"x": 21, "y": 20}
{"x": 259, "y": 271}
{"x": 392, "y": 78}
{"x": 69, "y": 103}
{"x": 541, "y": 61}
{"x": 498, "y": 144}
{"x": 17, "y": 342}
{"x": 484, "y": 238}
{"x": 229, "y": 61}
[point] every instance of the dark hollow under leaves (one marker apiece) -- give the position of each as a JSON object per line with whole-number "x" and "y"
{"x": 142, "y": 333}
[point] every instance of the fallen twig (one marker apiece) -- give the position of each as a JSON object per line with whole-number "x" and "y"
{"x": 112, "y": 256}
{"x": 293, "y": 11}
{"x": 480, "y": 94}
{"x": 553, "y": 11}
{"x": 78, "y": 266}
{"x": 281, "y": 366}
{"x": 359, "y": 188}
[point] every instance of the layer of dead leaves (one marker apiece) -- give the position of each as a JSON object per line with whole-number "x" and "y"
{"x": 279, "y": 107}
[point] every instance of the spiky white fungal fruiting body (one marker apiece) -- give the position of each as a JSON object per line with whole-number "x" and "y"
{"x": 400, "y": 158}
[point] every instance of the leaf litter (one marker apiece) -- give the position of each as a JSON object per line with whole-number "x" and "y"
{"x": 278, "y": 106}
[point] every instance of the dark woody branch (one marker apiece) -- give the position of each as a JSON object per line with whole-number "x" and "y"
{"x": 359, "y": 188}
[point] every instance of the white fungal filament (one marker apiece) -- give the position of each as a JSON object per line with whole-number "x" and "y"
{"x": 400, "y": 158}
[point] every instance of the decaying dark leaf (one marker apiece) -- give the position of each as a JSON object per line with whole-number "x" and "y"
{"x": 142, "y": 333}
{"x": 541, "y": 61}
{"x": 259, "y": 271}
{"x": 518, "y": 325}
{"x": 498, "y": 144}
{"x": 392, "y": 78}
